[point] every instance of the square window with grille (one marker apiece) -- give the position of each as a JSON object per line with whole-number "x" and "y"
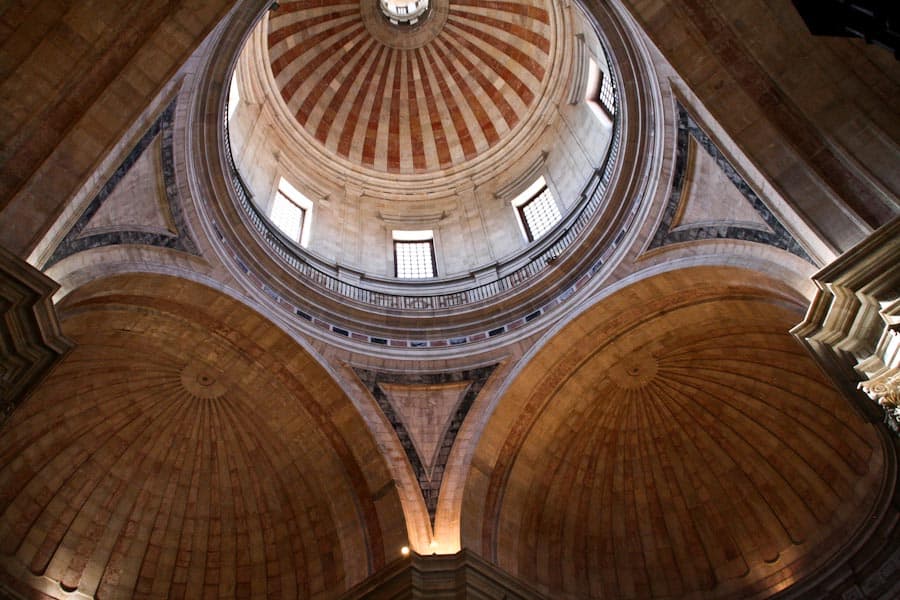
{"x": 414, "y": 254}
{"x": 600, "y": 95}
{"x": 290, "y": 212}
{"x": 538, "y": 213}
{"x": 606, "y": 95}
{"x": 287, "y": 216}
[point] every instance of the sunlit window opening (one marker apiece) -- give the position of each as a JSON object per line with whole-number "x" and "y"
{"x": 292, "y": 212}
{"x": 414, "y": 254}
{"x": 600, "y": 95}
{"x": 537, "y": 210}
{"x": 404, "y": 12}
{"x": 234, "y": 96}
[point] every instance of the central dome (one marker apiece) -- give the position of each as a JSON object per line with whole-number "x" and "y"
{"x": 458, "y": 85}
{"x": 353, "y": 142}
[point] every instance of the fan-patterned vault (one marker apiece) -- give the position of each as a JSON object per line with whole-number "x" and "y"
{"x": 184, "y": 449}
{"x": 411, "y": 100}
{"x": 673, "y": 442}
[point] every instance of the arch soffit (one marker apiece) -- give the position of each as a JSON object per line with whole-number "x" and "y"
{"x": 299, "y": 370}
{"x": 521, "y": 415}
{"x": 640, "y": 297}
{"x": 686, "y": 274}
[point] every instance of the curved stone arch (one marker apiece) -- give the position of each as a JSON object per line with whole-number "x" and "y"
{"x": 772, "y": 273}
{"x": 523, "y": 457}
{"x": 785, "y": 279}
{"x": 290, "y": 425}
{"x": 82, "y": 270}
{"x": 688, "y": 268}
{"x": 87, "y": 276}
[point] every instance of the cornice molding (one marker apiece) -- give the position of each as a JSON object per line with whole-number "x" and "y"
{"x": 852, "y": 327}
{"x": 31, "y": 341}
{"x": 442, "y": 577}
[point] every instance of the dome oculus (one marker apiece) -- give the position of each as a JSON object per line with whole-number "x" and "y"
{"x": 403, "y": 12}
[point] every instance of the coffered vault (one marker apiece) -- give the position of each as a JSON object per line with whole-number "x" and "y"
{"x": 199, "y": 403}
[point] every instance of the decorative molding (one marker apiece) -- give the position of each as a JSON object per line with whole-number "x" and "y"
{"x": 75, "y": 242}
{"x": 884, "y": 389}
{"x": 521, "y": 183}
{"x": 593, "y": 195}
{"x": 881, "y": 584}
{"x": 429, "y": 483}
{"x": 31, "y": 342}
{"x": 852, "y": 327}
{"x": 411, "y": 220}
{"x": 460, "y": 575}
{"x": 579, "y": 70}
{"x": 666, "y": 234}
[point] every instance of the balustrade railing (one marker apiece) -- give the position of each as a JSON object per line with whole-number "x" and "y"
{"x": 421, "y": 298}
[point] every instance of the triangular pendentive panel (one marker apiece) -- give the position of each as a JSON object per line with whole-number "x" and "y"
{"x": 139, "y": 204}
{"x": 426, "y": 412}
{"x": 710, "y": 199}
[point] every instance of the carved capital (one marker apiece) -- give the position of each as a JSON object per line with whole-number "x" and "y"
{"x": 884, "y": 389}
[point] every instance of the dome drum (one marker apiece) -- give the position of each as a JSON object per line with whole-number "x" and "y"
{"x": 476, "y": 299}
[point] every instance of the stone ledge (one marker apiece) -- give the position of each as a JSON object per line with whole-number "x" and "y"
{"x": 852, "y": 325}
{"x": 442, "y": 577}
{"x": 31, "y": 342}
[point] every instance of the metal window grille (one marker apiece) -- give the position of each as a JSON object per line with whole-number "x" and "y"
{"x": 415, "y": 259}
{"x": 288, "y": 216}
{"x": 607, "y": 95}
{"x": 539, "y": 214}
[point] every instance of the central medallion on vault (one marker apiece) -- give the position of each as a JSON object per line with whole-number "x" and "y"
{"x": 404, "y": 12}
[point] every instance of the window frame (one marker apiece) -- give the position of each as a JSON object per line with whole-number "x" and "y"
{"x": 280, "y": 195}
{"x": 424, "y": 237}
{"x": 599, "y": 82}
{"x": 293, "y": 196}
{"x": 531, "y": 194}
{"x": 234, "y": 95}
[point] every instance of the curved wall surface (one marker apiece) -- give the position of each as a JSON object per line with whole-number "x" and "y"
{"x": 438, "y": 136}
{"x": 179, "y": 452}
{"x": 674, "y": 442}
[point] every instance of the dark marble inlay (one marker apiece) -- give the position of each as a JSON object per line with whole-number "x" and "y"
{"x": 429, "y": 484}
{"x": 779, "y": 237}
{"x": 73, "y": 244}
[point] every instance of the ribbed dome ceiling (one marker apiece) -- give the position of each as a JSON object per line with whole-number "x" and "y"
{"x": 411, "y": 100}
{"x": 696, "y": 454}
{"x": 706, "y": 469}
{"x": 164, "y": 459}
